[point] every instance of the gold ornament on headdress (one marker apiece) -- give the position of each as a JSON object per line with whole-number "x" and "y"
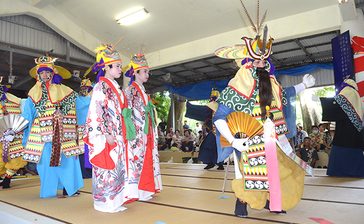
{"x": 86, "y": 83}
{"x": 48, "y": 62}
{"x": 107, "y": 54}
{"x": 138, "y": 61}
{"x": 257, "y": 48}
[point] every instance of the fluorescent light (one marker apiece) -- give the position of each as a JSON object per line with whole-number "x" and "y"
{"x": 343, "y": 1}
{"x": 133, "y": 17}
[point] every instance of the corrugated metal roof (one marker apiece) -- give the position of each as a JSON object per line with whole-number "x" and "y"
{"x": 286, "y": 54}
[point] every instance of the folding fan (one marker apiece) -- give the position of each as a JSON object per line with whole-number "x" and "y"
{"x": 14, "y": 122}
{"x": 241, "y": 125}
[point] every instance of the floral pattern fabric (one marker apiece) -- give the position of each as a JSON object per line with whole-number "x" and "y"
{"x": 110, "y": 162}
{"x": 144, "y": 148}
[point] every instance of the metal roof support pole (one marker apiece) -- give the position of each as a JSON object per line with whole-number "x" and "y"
{"x": 10, "y": 63}
{"x": 173, "y": 114}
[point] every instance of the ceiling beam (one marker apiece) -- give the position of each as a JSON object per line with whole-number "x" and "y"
{"x": 171, "y": 74}
{"x": 213, "y": 65}
{"x": 194, "y": 71}
{"x": 36, "y": 53}
{"x": 308, "y": 55}
{"x": 298, "y": 48}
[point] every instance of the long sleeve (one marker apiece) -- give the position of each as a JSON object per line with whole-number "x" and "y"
{"x": 82, "y": 105}
{"x": 98, "y": 125}
{"x": 289, "y": 110}
{"x": 28, "y": 113}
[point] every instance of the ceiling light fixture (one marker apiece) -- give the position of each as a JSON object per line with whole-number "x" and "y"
{"x": 343, "y": 1}
{"x": 133, "y": 17}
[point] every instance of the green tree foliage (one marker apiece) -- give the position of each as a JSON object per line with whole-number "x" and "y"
{"x": 162, "y": 102}
{"x": 327, "y": 91}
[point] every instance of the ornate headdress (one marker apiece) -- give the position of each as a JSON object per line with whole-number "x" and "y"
{"x": 251, "y": 49}
{"x": 46, "y": 63}
{"x": 137, "y": 62}
{"x": 105, "y": 55}
{"x": 3, "y": 90}
{"x": 85, "y": 87}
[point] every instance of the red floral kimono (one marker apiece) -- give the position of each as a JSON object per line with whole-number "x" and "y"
{"x": 143, "y": 150}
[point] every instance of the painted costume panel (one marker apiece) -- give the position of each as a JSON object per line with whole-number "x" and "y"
{"x": 242, "y": 94}
{"x": 10, "y": 159}
{"x": 48, "y": 126}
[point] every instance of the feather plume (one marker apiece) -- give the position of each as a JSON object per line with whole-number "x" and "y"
{"x": 258, "y": 27}
{"x": 249, "y": 18}
{"x": 262, "y": 21}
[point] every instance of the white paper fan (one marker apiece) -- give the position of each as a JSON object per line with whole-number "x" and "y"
{"x": 13, "y": 121}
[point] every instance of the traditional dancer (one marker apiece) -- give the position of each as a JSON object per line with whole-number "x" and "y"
{"x": 143, "y": 150}
{"x": 50, "y": 139}
{"x": 108, "y": 126}
{"x": 265, "y": 176}
{"x": 82, "y": 106}
{"x": 261, "y": 173}
{"x": 346, "y": 158}
{"x": 11, "y": 147}
{"x": 208, "y": 148}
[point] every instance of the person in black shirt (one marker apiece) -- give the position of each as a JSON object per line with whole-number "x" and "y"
{"x": 308, "y": 153}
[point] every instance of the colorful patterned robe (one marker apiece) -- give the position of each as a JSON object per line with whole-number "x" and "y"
{"x": 252, "y": 186}
{"x": 112, "y": 170}
{"x": 11, "y": 161}
{"x": 143, "y": 150}
{"x": 39, "y": 110}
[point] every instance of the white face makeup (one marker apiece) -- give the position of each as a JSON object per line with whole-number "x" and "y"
{"x": 142, "y": 75}
{"x": 114, "y": 72}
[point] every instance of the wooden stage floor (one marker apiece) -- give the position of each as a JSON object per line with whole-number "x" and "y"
{"x": 190, "y": 195}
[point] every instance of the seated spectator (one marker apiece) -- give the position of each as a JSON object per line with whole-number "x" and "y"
{"x": 301, "y": 134}
{"x": 163, "y": 126}
{"x": 316, "y": 137}
{"x": 169, "y": 137}
{"x": 198, "y": 128}
{"x": 199, "y": 140}
{"x": 162, "y": 144}
{"x": 176, "y": 139}
{"x": 185, "y": 126}
{"x": 307, "y": 153}
{"x": 187, "y": 142}
{"x": 326, "y": 137}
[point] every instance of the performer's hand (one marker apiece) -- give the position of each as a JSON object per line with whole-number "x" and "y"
{"x": 308, "y": 80}
{"x": 240, "y": 144}
{"x": 110, "y": 139}
{"x": 9, "y": 138}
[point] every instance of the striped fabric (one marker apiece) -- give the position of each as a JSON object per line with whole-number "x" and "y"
{"x": 358, "y": 50}
{"x": 42, "y": 131}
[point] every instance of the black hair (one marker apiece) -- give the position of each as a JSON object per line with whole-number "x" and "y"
{"x": 265, "y": 91}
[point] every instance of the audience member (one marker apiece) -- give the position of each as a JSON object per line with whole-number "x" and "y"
{"x": 185, "y": 126}
{"x": 187, "y": 142}
{"x": 307, "y": 153}
{"x": 301, "y": 134}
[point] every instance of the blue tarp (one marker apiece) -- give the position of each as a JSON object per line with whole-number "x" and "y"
{"x": 202, "y": 90}
{"x": 198, "y": 91}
